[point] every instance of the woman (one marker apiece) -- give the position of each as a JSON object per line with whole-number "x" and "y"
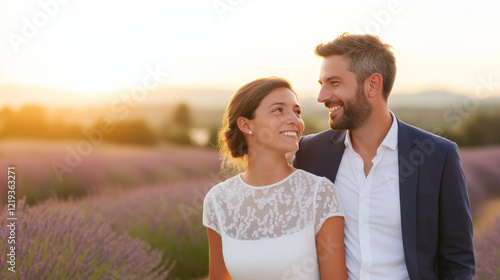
{"x": 271, "y": 221}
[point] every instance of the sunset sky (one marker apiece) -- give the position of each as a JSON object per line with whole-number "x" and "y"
{"x": 95, "y": 48}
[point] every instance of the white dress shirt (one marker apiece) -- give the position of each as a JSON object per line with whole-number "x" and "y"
{"x": 373, "y": 238}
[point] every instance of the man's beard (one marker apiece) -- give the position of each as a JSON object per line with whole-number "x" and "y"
{"x": 356, "y": 111}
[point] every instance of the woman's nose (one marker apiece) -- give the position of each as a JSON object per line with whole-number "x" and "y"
{"x": 292, "y": 117}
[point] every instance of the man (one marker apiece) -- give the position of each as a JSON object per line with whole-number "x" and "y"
{"x": 403, "y": 189}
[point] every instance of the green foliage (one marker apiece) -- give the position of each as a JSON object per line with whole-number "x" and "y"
{"x": 70, "y": 187}
{"x": 480, "y": 129}
{"x": 191, "y": 256}
{"x": 31, "y": 122}
{"x": 311, "y": 126}
{"x": 131, "y": 132}
{"x": 179, "y": 135}
{"x": 179, "y": 126}
{"x": 28, "y": 121}
{"x": 212, "y": 142}
{"x": 182, "y": 116}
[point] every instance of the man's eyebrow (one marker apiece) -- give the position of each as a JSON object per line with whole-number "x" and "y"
{"x": 334, "y": 77}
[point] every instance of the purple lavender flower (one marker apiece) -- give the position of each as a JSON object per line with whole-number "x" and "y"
{"x": 56, "y": 240}
{"x": 487, "y": 249}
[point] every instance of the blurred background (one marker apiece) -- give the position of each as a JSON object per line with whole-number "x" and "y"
{"x": 109, "y": 112}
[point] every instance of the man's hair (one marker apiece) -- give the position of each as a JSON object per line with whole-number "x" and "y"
{"x": 366, "y": 55}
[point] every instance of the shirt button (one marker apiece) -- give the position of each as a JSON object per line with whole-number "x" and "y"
{"x": 364, "y": 273}
{"x": 366, "y": 251}
{"x": 363, "y": 223}
{"x": 364, "y": 197}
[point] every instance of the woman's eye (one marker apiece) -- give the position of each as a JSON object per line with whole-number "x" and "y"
{"x": 278, "y": 110}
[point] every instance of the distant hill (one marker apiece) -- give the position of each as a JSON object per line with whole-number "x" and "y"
{"x": 437, "y": 99}
{"x": 16, "y": 96}
{"x": 431, "y": 110}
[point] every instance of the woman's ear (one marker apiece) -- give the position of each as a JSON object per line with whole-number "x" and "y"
{"x": 375, "y": 82}
{"x": 244, "y": 125}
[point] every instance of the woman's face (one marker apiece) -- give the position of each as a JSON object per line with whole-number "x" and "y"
{"x": 277, "y": 123}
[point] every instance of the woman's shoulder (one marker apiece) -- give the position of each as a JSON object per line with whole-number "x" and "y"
{"x": 318, "y": 184}
{"x": 223, "y": 186}
{"x": 312, "y": 176}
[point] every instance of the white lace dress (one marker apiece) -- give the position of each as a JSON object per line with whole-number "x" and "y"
{"x": 268, "y": 232}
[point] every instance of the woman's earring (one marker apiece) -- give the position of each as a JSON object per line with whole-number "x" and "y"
{"x": 249, "y": 132}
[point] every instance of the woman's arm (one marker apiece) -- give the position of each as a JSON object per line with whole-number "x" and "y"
{"x": 330, "y": 248}
{"x": 216, "y": 268}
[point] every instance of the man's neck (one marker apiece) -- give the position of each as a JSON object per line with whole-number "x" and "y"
{"x": 366, "y": 139}
{"x": 372, "y": 133}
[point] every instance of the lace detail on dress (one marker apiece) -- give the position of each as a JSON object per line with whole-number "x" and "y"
{"x": 327, "y": 203}
{"x": 247, "y": 212}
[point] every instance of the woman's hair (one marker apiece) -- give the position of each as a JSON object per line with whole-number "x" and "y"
{"x": 231, "y": 140}
{"x": 366, "y": 54}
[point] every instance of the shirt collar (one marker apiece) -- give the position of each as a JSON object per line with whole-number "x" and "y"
{"x": 390, "y": 140}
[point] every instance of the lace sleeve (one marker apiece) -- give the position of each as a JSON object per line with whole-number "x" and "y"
{"x": 327, "y": 203}
{"x": 209, "y": 212}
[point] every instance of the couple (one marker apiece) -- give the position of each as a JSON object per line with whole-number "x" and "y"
{"x": 372, "y": 198}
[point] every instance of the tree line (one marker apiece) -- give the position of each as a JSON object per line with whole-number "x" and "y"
{"x": 30, "y": 121}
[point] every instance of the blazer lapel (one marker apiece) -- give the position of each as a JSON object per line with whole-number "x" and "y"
{"x": 332, "y": 156}
{"x": 408, "y": 159}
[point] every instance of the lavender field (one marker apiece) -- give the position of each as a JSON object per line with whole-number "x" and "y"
{"x": 123, "y": 212}
{"x": 129, "y": 212}
{"x": 482, "y": 171}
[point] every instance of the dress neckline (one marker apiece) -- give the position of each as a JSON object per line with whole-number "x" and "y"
{"x": 266, "y": 186}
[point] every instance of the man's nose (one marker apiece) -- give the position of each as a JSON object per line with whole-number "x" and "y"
{"x": 323, "y": 95}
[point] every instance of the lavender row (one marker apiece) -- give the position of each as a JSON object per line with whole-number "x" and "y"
{"x": 56, "y": 240}
{"x": 482, "y": 172}
{"x": 167, "y": 216}
{"x": 487, "y": 246}
{"x": 58, "y": 173}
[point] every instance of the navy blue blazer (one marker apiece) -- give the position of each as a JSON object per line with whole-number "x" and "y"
{"x": 435, "y": 212}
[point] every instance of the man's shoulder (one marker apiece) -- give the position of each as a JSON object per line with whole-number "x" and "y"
{"x": 419, "y": 134}
{"x": 322, "y": 137}
{"x": 312, "y": 148}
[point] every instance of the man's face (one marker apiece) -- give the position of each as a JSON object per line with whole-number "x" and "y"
{"x": 345, "y": 100}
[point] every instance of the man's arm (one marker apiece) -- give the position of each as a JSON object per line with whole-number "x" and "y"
{"x": 456, "y": 250}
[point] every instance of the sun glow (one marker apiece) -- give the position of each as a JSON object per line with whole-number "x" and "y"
{"x": 93, "y": 49}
